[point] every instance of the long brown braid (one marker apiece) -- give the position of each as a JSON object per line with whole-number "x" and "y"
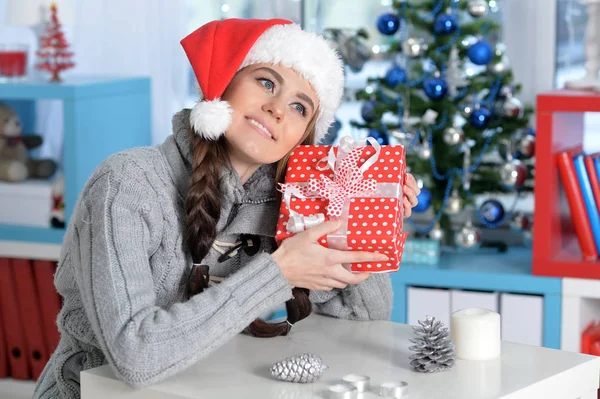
{"x": 203, "y": 209}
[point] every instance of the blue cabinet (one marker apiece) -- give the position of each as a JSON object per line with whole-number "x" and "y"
{"x": 102, "y": 116}
{"x": 484, "y": 270}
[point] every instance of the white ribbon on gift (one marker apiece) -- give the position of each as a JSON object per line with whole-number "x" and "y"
{"x": 352, "y": 178}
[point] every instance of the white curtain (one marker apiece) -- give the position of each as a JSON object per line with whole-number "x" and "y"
{"x": 136, "y": 37}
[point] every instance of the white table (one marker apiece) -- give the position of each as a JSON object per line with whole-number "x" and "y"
{"x": 377, "y": 349}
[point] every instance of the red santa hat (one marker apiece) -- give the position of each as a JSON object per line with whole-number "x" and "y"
{"x": 219, "y": 49}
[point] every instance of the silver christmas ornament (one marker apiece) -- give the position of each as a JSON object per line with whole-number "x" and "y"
{"x": 526, "y": 145}
{"x": 454, "y": 135}
{"x": 500, "y": 49}
{"x": 506, "y": 91}
{"x": 414, "y": 47}
{"x": 425, "y": 152}
{"x": 512, "y": 108}
{"x": 513, "y": 174}
{"x": 499, "y": 66}
{"x": 519, "y": 222}
{"x": 477, "y": 8}
{"x": 433, "y": 347}
{"x": 467, "y": 110}
{"x": 454, "y": 205}
{"x": 436, "y": 233}
{"x": 468, "y": 41}
{"x": 302, "y": 368}
{"x": 468, "y": 237}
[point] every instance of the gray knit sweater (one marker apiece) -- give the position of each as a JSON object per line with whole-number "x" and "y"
{"x": 123, "y": 271}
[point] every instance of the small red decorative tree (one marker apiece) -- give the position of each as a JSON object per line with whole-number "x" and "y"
{"x": 54, "y": 53}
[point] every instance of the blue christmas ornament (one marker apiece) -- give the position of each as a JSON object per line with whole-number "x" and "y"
{"x": 395, "y": 76}
{"x": 424, "y": 200}
{"x": 480, "y": 53}
{"x": 367, "y": 111}
{"x": 381, "y": 137}
{"x": 492, "y": 211}
{"x": 435, "y": 88}
{"x": 388, "y": 23}
{"x": 445, "y": 24}
{"x": 480, "y": 117}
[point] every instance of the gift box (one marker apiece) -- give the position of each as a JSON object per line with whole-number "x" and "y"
{"x": 358, "y": 182}
{"x": 422, "y": 251}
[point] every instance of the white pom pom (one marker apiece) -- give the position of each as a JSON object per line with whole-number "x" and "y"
{"x": 210, "y": 119}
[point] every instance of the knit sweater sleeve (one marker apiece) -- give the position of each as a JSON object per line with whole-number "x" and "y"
{"x": 115, "y": 228}
{"x": 370, "y": 300}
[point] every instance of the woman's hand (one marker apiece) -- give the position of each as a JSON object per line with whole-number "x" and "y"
{"x": 307, "y": 264}
{"x": 411, "y": 191}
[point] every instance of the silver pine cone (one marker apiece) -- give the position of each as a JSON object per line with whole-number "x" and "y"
{"x": 303, "y": 368}
{"x": 434, "y": 349}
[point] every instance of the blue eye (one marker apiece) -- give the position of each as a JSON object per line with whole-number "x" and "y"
{"x": 301, "y": 109}
{"x": 268, "y": 84}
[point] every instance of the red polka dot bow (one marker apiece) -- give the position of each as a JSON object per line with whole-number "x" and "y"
{"x": 347, "y": 182}
{"x": 348, "y": 177}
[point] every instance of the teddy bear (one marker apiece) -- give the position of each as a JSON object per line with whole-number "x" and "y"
{"x": 15, "y": 163}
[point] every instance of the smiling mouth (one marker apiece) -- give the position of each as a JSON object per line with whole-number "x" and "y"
{"x": 261, "y": 128}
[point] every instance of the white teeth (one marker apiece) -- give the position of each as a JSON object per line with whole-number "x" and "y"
{"x": 264, "y": 129}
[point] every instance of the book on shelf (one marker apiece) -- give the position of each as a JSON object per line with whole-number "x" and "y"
{"x": 577, "y": 204}
{"x": 593, "y": 174}
{"x": 585, "y": 186}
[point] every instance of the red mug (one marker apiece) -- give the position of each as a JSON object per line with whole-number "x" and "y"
{"x": 13, "y": 61}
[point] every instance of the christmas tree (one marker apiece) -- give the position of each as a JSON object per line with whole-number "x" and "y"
{"x": 450, "y": 98}
{"x": 54, "y": 53}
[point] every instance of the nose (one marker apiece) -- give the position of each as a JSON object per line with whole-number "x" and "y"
{"x": 275, "y": 108}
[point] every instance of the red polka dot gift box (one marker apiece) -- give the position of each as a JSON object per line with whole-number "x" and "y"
{"x": 361, "y": 183}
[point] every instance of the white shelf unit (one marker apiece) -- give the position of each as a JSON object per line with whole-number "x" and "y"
{"x": 580, "y": 306}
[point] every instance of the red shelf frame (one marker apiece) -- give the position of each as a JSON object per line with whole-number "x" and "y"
{"x": 560, "y": 126}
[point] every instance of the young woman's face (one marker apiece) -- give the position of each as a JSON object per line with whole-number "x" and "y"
{"x": 272, "y": 107}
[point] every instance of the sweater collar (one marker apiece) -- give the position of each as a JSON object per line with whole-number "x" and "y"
{"x": 259, "y": 187}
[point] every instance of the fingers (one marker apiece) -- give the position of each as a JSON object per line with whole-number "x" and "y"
{"x": 335, "y": 257}
{"x": 333, "y": 283}
{"x": 407, "y": 208}
{"x": 412, "y": 183}
{"x": 318, "y": 231}
{"x": 411, "y": 194}
{"x": 341, "y": 275}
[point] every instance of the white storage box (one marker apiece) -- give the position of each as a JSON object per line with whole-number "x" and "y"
{"x": 522, "y": 318}
{"x": 27, "y": 203}
{"x": 423, "y": 302}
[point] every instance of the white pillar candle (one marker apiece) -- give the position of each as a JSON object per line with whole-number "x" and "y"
{"x": 476, "y": 334}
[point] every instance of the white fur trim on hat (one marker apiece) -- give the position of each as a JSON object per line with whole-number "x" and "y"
{"x": 211, "y": 119}
{"x": 312, "y": 57}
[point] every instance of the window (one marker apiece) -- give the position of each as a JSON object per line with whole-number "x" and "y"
{"x": 570, "y": 31}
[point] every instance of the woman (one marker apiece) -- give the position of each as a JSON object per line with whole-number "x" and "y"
{"x": 153, "y": 226}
